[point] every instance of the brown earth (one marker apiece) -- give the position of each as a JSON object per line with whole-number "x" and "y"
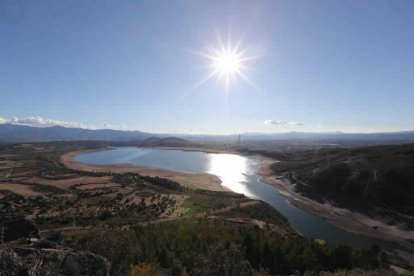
{"x": 20, "y": 189}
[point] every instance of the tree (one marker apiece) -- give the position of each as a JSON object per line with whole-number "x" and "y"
{"x": 226, "y": 260}
{"x": 165, "y": 258}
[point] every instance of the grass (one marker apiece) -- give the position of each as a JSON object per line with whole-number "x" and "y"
{"x": 259, "y": 211}
{"x": 192, "y": 207}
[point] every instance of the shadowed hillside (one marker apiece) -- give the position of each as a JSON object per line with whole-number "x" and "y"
{"x": 373, "y": 178}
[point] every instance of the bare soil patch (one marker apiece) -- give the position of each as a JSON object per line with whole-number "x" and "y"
{"x": 97, "y": 186}
{"x": 66, "y": 183}
{"x": 20, "y": 189}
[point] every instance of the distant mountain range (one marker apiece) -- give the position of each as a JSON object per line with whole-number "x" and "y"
{"x": 20, "y": 133}
{"x": 380, "y": 136}
{"x": 320, "y": 137}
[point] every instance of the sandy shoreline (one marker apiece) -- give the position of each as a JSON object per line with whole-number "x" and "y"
{"x": 354, "y": 222}
{"x": 191, "y": 180}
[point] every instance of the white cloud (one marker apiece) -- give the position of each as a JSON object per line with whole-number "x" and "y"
{"x": 36, "y": 121}
{"x": 275, "y": 122}
{"x": 282, "y": 122}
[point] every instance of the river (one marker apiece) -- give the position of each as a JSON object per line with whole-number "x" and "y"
{"x": 238, "y": 173}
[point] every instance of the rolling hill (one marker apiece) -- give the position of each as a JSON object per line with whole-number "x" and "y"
{"x": 374, "y": 178}
{"x": 166, "y": 142}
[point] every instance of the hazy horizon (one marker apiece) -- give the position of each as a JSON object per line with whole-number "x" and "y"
{"x": 319, "y": 66}
{"x": 34, "y": 122}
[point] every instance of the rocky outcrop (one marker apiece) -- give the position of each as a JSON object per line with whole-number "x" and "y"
{"x": 21, "y": 260}
{"x": 22, "y": 253}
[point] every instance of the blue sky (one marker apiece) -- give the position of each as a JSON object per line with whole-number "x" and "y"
{"x": 324, "y": 65}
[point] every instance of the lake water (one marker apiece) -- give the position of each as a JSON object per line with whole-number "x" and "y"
{"x": 238, "y": 173}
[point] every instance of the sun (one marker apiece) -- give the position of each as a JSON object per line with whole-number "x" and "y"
{"x": 228, "y": 62}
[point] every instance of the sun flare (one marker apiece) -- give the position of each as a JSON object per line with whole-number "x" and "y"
{"x": 228, "y": 62}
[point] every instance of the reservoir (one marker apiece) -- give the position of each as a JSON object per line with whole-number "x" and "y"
{"x": 238, "y": 173}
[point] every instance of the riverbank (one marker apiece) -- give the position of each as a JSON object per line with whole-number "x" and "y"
{"x": 350, "y": 221}
{"x": 191, "y": 180}
{"x": 344, "y": 219}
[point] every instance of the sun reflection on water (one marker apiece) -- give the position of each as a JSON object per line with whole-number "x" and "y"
{"x": 232, "y": 170}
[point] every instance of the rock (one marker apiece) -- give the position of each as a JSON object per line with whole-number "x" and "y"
{"x": 18, "y": 260}
{"x": 10, "y": 265}
{"x": 34, "y": 240}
